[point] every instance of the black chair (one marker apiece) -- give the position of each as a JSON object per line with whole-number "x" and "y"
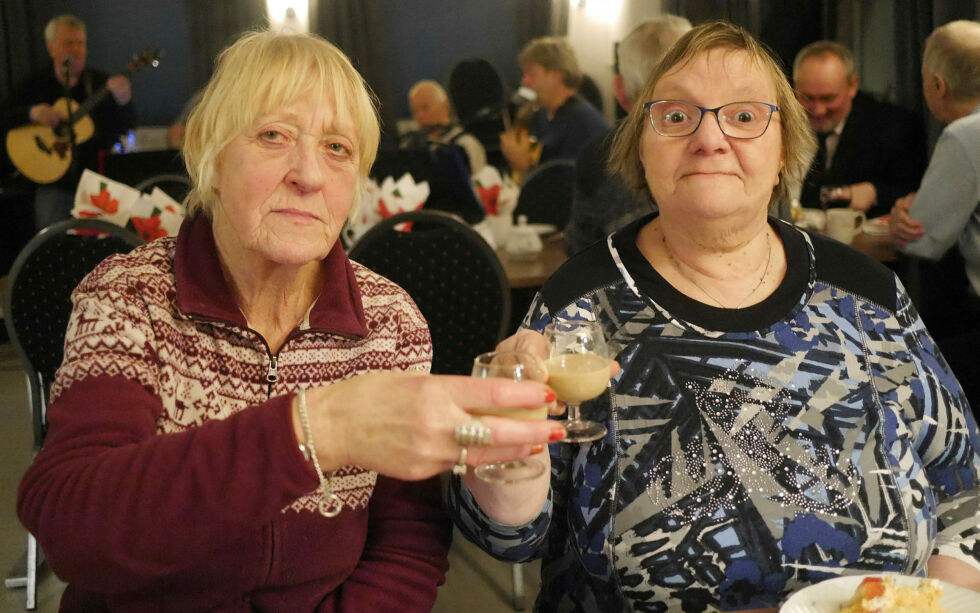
{"x": 36, "y": 309}
{"x": 453, "y": 276}
{"x": 589, "y": 90}
{"x": 175, "y": 185}
{"x": 479, "y": 98}
{"x": 546, "y": 194}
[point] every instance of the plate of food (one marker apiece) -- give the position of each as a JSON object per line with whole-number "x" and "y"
{"x": 876, "y": 225}
{"x": 882, "y": 593}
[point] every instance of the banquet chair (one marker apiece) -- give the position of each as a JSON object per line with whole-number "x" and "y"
{"x": 453, "y": 276}
{"x": 546, "y": 193}
{"x": 477, "y": 93}
{"x": 36, "y": 308}
{"x": 175, "y": 185}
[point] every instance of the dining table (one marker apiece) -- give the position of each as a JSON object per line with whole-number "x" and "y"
{"x": 531, "y": 270}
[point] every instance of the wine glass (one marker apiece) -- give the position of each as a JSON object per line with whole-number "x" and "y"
{"x": 578, "y": 370}
{"x": 518, "y": 366}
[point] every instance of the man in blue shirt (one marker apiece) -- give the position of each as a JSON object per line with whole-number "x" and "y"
{"x": 563, "y": 122}
{"x": 946, "y": 208}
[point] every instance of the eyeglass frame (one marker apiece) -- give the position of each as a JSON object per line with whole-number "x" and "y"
{"x": 649, "y": 105}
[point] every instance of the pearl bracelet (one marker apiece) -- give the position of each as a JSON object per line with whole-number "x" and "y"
{"x": 330, "y": 504}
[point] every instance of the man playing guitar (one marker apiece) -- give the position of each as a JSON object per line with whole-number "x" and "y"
{"x": 34, "y": 102}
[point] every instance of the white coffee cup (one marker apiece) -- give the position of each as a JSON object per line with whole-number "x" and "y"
{"x": 844, "y": 224}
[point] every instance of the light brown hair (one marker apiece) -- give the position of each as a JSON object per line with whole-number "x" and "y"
{"x": 553, "y": 53}
{"x": 798, "y": 142}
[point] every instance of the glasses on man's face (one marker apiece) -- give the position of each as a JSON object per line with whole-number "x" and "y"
{"x": 736, "y": 119}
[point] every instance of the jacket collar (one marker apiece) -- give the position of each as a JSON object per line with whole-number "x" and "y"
{"x": 203, "y": 291}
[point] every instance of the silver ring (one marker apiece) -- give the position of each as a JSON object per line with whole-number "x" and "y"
{"x": 459, "y": 468}
{"x": 473, "y": 432}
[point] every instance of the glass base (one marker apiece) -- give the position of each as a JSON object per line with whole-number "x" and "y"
{"x": 514, "y": 471}
{"x": 582, "y": 431}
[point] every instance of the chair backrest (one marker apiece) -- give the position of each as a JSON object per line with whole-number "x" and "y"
{"x": 175, "y": 185}
{"x": 475, "y": 89}
{"x": 546, "y": 194}
{"x": 589, "y": 90}
{"x": 37, "y": 303}
{"x": 478, "y": 95}
{"x": 453, "y": 276}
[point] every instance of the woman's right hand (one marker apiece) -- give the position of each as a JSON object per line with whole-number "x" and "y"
{"x": 402, "y": 424}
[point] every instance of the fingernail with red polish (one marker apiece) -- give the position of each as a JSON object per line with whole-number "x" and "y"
{"x": 557, "y": 434}
{"x": 536, "y": 449}
{"x": 549, "y": 396}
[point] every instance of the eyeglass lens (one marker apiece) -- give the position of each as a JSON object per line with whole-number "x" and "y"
{"x": 736, "y": 119}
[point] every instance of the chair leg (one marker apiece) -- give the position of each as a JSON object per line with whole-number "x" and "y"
{"x": 31, "y": 599}
{"x": 29, "y": 580}
{"x": 517, "y": 574}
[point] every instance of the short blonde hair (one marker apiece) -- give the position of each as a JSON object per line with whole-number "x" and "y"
{"x": 798, "y": 142}
{"x": 264, "y": 71}
{"x": 553, "y": 53}
{"x": 953, "y": 50}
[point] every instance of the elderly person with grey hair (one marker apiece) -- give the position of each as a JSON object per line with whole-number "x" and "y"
{"x": 38, "y": 100}
{"x": 242, "y": 410}
{"x": 563, "y": 121}
{"x": 433, "y": 114}
{"x": 779, "y": 406}
{"x": 945, "y": 211}
{"x": 602, "y": 202}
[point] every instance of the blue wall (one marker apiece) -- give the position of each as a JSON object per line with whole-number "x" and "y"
{"x": 425, "y": 38}
{"x": 422, "y": 39}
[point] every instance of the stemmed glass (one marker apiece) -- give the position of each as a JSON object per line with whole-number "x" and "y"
{"x": 578, "y": 370}
{"x": 518, "y": 366}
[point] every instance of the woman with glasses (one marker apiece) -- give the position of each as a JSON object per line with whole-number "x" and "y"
{"x": 781, "y": 415}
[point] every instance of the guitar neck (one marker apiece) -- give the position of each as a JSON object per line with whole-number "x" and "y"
{"x": 90, "y": 103}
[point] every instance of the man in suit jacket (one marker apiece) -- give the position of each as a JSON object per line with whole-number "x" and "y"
{"x": 874, "y": 150}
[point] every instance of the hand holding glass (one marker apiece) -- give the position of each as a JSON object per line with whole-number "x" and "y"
{"x": 578, "y": 370}
{"x": 518, "y": 366}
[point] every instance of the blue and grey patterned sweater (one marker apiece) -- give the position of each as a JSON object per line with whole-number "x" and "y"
{"x": 750, "y": 453}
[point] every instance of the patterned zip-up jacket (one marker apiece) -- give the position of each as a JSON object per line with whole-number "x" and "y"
{"x": 752, "y": 452}
{"x": 171, "y": 478}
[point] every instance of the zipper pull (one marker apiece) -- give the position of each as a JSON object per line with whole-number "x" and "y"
{"x": 273, "y": 375}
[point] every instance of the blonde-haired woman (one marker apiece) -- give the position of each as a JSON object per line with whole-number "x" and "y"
{"x": 239, "y": 413}
{"x": 781, "y": 415}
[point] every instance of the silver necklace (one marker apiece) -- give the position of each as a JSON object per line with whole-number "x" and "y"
{"x": 680, "y": 270}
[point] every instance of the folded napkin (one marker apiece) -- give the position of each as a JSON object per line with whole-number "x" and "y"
{"x": 98, "y": 197}
{"x": 400, "y": 196}
{"x": 367, "y": 214}
{"x": 152, "y": 215}
{"x": 497, "y": 193}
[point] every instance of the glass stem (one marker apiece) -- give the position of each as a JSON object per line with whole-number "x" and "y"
{"x": 572, "y": 411}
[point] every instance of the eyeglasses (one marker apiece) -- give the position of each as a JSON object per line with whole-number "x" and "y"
{"x": 736, "y": 119}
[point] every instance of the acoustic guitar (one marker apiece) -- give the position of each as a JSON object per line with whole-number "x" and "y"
{"x": 43, "y": 153}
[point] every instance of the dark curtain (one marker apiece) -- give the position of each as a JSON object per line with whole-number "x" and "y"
{"x": 785, "y": 26}
{"x": 536, "y": 18}
{"x": 215, "y": 25}
{"x": 357, "y": 27}
{"x": 20, "y": 41}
